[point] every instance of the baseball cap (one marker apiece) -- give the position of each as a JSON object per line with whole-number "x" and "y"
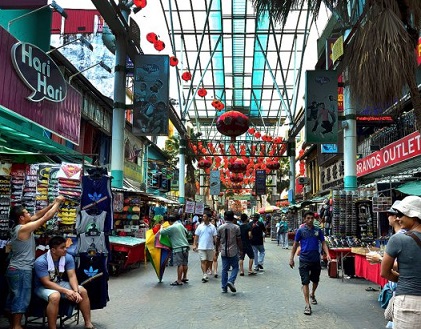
{"x": 392, "y": 208}
{"x": 410, "y": 206}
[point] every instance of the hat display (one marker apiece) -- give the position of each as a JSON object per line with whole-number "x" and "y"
{"x": 410, "y": 206}
{"x": 392, "y": 209}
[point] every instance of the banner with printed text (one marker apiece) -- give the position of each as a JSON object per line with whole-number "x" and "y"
{"x": 215, "y": 182}
{"x": 190, "y": 207}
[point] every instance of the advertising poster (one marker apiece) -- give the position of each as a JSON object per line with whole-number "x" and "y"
{"x": 321, "y": 102}
{"x": 215, "y": 182}
{"x": 190, "y": 207}
{"x": 151, "y": 92}
{"x": 200, "y": 208}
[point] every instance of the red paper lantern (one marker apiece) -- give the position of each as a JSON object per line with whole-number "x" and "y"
{"x": 236, "y": 178}
{"x": 220, "y": 106}
{"x": 202, "y": 92}
{"x": 204, "y": 164}
{"x": 159, "y": 45}
{"x": 186, "y": 76}
{"x": 232, "y": 123}
{"x": 152, "y": 37}
{"x": 238, "y": 166}
{"x": 273, "y": 165}
{"x": 215, "y": 103}
{"x": 140, "y": 3}
{"x": 251, "y": 131}
{"x": 173, "y": 61}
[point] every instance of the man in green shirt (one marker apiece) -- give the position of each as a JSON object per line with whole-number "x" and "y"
{"x": 177, "y": 234}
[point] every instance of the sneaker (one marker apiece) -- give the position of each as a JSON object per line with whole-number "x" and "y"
{"x": 205, "y": 278}
{"x": 257, "y": 269}
{"x": 224, "y": 290}
{"x": 313, "y": 299}
{"x": 260, "y": 266}
{"x": 231, "y": 286}
{"x": 307, "y": 310}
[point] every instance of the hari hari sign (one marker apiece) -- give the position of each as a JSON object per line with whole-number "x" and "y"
{"x": 39, "y": 72}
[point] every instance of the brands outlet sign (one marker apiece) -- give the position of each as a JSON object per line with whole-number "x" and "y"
{"x": 39, "y": 72}
{"x": 401, "y": 150}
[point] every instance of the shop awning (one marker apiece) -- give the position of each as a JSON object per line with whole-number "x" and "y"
{"x": 165, "y": 200}
{"x": 411, "y": 188}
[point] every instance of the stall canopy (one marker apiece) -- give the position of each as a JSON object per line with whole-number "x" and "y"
{"x": 410, "y": 188}
{"x": 162, "y": 199}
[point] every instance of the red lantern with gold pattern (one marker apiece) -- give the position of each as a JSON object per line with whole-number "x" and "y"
{"x": 232, "y": 123}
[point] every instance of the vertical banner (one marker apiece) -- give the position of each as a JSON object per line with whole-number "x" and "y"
{"x": 215, "y": 182}
{"x": 321, "y": 115}
{"x": 151, "y": 93}
{"x": 189, "y": 207}
{"x": 260, "y": 182}
{"x": 200, "y": 208}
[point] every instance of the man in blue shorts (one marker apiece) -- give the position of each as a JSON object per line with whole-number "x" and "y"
{"x": 308, "y": 238}
{"x": 56, "y": 278}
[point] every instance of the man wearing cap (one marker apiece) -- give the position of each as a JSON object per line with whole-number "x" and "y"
{"x": 309, "y": 237}
{"x": 228, "y": 241}
{"x": 406, "y": 248}
{"x": 256, "y": 241}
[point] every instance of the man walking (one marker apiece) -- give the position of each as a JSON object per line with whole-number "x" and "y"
{"x": 282, "y": 228}
{"x": 247, "y": 249}
{"x": 180, "y": 247}
{"x": 257, "y": 234}
{"x": 204, "y": 243}
{"x": 308, "y": 237}
{"x": 228, "y": 241}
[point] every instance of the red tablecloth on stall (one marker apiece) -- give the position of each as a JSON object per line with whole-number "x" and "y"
{"x": 370, "y": 272}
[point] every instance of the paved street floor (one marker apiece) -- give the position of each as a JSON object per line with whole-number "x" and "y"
{"x": 272, "y": 299}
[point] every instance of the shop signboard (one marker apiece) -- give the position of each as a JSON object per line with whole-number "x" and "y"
{"x": 321, "y": 115}
{"x": 151, "y": 95}
{"x": 53, "y": 104}
{"x": 22, "y": 4}
{"x": 404, "y": 149}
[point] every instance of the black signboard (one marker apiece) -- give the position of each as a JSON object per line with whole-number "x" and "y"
{"x": 260, "y": 182}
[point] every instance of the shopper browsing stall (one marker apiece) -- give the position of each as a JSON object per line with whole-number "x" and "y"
{"x": 19, "y": 271}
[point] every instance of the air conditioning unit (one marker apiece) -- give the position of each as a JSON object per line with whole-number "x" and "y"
{"x": 303, "y": 180}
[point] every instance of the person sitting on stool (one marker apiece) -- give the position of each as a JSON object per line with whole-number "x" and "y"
{"x": 56, "y": 278}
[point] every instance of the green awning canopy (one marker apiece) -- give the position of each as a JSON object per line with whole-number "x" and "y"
{"x": 410, "y": 188}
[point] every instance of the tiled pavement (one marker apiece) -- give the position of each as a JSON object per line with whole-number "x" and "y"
{"x": 271, "y": 299}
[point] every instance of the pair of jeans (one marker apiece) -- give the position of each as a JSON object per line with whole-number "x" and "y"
{"x": 20, "y": 289}
{"x": 283, "y": 239}
{"x": 228, "y": 262}
{"x": 259, "y": 255}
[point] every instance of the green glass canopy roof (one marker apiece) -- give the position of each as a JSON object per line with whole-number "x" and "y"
{"x": 250, "y": 63}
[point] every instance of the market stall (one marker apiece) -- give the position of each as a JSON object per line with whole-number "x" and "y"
{"x": 364, "y": 269}
{"x": 127, "y": 252}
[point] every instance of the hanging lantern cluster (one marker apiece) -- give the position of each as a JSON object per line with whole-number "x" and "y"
{"x": 233, "y": 124}
{"x": 153, "y": 38}
{"x": 273, "y": 164}
{"x": 236, "y": 178}
{"x": 204, "y": 163}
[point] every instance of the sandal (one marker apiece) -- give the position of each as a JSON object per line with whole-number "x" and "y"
{"x": 371, "y": 289}
{"x": 252, "y": 273}
{"x": 185, "y": 280}
{"x": 242, "y": 274}
{"x": 175, "y": 283}
{"x": 313, "y": 299}
{"x": 307, "y": 310}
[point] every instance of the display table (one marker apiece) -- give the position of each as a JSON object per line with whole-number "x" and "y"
{"x": 126, "y": 251}
{"x": 339, "y": 254}
{"x": 370, "y": 272}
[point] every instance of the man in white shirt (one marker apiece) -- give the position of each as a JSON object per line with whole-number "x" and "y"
{"x": 204, "y": 243}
